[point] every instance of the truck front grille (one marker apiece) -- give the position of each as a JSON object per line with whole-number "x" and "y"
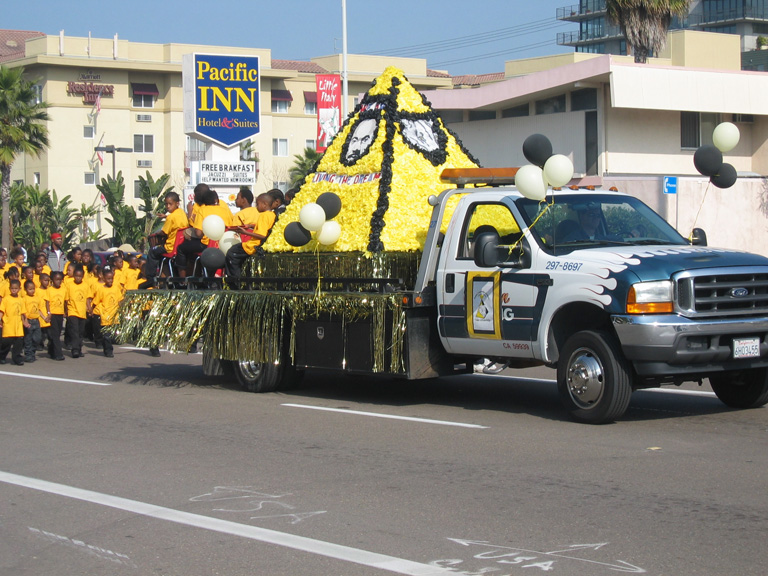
{"x": 723, "y": 292}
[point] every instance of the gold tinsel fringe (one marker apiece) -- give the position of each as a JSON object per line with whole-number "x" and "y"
{"x": 251, "y": 325}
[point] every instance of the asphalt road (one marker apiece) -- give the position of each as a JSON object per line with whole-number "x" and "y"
{"x": 143, "y": 466}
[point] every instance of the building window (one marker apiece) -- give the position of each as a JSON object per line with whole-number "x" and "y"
{"x": 88, "y": 132}
{"x": 551, "y": 105}
{"x": 143, "y": 101}
{"x": 283, "y": 186}
{"x": 516, "y": 111}
{"x": 137, "y": 189}
{"x": 475, "y": 115}
{"x": 310, "y": 108}
{"x": 696, "y": 128}
{"x": 143, "y": 143}
{"x": 36, "y": 178}
{"x": 280, "y": 147}
{"x": 89, "y": 179}
{"x": 585, "y": 99}
{"x": 279, "y": 107}
{"x": 38, "y": 90}
{"x": 310, "y": 144}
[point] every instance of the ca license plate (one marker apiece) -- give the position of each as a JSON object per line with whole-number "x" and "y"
{"x": 746, "y": 347}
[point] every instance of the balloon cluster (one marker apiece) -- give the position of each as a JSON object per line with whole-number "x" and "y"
{"x": 708, "y": 159}
{"x": 213, "y": 258}
{"x": 316, "y": 217}
{"x": 545, "y": 169}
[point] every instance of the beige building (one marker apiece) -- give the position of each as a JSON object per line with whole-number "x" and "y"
{"x": 633, "y": 125}
{"x": 141, "y": 109}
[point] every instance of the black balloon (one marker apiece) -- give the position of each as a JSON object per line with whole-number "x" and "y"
{"x": 296, "y": 235}
{"x": 330, "y": 203}
{"x": 212, "y": 258}
{"x": 725, "y": 178}
{"x": 537, "y": 149}
{"x": 708, "y": 160}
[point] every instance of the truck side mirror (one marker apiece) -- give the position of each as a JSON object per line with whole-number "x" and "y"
{"x": 698, "y": 237}
{"x": 486, "y": 249}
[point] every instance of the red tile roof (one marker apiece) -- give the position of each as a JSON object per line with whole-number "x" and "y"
{"x": 437, "y": 74}
{"x": 477, "y": 79}
{"x": 12, "y": 43}
{"x": 299, "y": 66}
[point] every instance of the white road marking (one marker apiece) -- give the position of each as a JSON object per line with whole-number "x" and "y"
{"x": 390, "y": 416}
{"x": 36, "y": 377}
{"x": 319, "y": 547}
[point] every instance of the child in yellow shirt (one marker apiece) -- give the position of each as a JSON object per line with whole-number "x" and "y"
{"x": 35, "y": 310}
{"x": 57, "y": 294}
{"x": 12, "y": 321}
{"x": 104, "y": 304}
{"x": 76, "y": 310}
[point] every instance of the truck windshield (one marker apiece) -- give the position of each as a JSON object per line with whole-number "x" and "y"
{"x": 577, "y": 221}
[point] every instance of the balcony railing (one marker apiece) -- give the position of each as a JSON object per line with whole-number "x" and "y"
{"x": 734, "y": 14}
{"x": 586, "y": 37}
{"x": 582, "y": 11}
{"x": 192, "y": 156}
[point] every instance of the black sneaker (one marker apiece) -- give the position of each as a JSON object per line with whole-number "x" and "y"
{"x": 154, "y": 352}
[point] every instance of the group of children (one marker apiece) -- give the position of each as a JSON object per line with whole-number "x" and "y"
{"x": 34, "y": 303}
{"x": 253, "y": 223}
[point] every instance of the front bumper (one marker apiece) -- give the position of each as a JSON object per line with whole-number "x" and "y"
{"x": 660, "y": 345}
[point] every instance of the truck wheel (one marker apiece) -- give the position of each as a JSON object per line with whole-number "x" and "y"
{"x": 258, "y": 376}
{"x": 743, "y": 388}
{"x": 593, "y": 378}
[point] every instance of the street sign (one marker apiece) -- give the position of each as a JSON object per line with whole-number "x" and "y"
{"x": 670, "y": 184}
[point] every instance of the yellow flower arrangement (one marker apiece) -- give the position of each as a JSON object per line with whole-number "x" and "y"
{"x": 384, "y": 191}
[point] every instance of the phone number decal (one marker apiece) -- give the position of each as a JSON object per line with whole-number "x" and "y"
{"x": 564, "y": 266}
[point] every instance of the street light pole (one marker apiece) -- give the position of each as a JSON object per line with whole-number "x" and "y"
{"x": 111, "y": 149}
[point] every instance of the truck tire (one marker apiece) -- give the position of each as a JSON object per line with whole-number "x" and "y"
{"x": 743, "y": 388}
{"x": 593, "y": 378}
{"x": 258, "y": 376}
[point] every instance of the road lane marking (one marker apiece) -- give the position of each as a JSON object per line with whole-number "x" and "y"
{"x": 389, "y": 416}
{"x": 36, "y": 377}
{"x": 319, "y": 547}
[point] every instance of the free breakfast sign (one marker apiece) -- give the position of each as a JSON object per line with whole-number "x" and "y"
{"x": 221, "y": 97}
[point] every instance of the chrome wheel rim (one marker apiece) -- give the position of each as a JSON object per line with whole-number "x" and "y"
{"x": 586, "y": 378}
{"x": 250, "y": 369}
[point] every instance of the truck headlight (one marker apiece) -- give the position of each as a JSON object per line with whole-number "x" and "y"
{"x": 650, "y": 298}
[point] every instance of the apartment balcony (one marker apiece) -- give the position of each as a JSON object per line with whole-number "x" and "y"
{"x": 583, "y": 11}
{"x": 192, "y": 156}
{"x": 731, "y": 15}
{"x": 582, "y": 38}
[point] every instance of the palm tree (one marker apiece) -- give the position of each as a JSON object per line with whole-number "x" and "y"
{"x": 152, "y": 194}
{"x": 303, "y": 165}
{"x": 644, "y": 23}
{"x": 22, "y": 130}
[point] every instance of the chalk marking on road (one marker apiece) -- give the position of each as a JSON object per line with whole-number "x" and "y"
{"x": 389, "y": 416}
{"x": 37, "y": 377}
{"x": 319, "y": 547}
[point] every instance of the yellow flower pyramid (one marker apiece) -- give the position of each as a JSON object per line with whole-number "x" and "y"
{"x": 383, "y": 164}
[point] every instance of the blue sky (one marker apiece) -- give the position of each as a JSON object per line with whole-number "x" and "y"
{"x": 461, "y": 36}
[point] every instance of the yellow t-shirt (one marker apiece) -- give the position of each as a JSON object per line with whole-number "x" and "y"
{"x": 56, "y": 298}
{"x": 34, "y": 306}
{"x": 45, "y": 306}
{"x": 131, "y": 278}
{"x": 246, "y": 217}
{"x": 263, "y": 226}
{"x": 205, "y": 211}
{"x": 12, "y": 309}
{"x": 106, "y": 302}
{"x": 175, "y": 221}
{"x": 77, "y": 294}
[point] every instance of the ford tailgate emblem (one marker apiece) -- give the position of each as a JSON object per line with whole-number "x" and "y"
{"x": 738, "y": 292}
{"x": 320, "y": 332}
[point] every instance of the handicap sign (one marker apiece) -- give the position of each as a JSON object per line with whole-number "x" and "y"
{"x": 670, "y": 184}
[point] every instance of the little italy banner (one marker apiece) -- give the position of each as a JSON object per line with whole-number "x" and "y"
{"x": 328, "y": 108}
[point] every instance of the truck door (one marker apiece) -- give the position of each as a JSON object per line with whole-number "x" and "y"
{"x": 486, "y": 311}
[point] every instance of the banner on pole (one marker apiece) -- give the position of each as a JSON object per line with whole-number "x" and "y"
{"x": 328, "y": 108}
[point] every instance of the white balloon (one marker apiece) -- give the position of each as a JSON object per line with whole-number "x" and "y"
{"x": 530, "y": 182}
{"x": 229, "y": 239}
{"x": 726, "y": 136}
{"x": 312, "y": 216}
{"x": 214, "y": 227}
{"x": 558, "y": 170}
{"x": 329, "y": 233}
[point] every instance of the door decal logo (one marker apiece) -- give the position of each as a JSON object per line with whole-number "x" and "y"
{"x": 483, "y": 304}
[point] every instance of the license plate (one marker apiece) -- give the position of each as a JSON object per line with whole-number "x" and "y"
{"x": 746, "y": 348}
